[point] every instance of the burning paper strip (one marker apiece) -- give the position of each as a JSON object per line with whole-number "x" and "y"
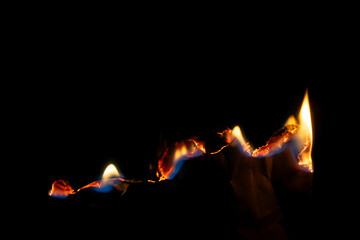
{"x": 110, "y": 177}
{"x": 271, "y": 147}
{"x": 174, "y": 156}
{"x": 300, "y": 131}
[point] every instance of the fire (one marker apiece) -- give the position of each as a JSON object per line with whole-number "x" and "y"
{"x": 291, "y": 121}
{"x": 305, "y": 134}
{"x": 300, "y": 131}
{"x": 61, "y": 189}
{"x": 174, "y": 156}
{"x": 110, "y": 172}
{"x": 180, "y": 152}
{"x": 237, "y": 134}
{"x": 274, "y": 144}
{"x": 110, "y": 176}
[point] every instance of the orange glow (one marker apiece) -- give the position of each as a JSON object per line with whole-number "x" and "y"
{"x": 291, "y": 121}
{"x": 182, "y": 150}
{"x": 199, "y": 145}
{"x": 61, "y": 189}
{"x": 276, "y": 142}
{"x": 300, "y": 131}
{"x": 95, "y": 184}
{"x": 305, "y": 134}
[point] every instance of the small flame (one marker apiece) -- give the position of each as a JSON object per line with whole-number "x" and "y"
{"x": 236, "y": 133}
{"x": 110, "y": 176}
{"x": 180, "y": 152}
{"x": 173, "y": 157}
{"x": 61, "y": 189}
{"x": 110, "y": 172}
{"x": 305, "y": 134}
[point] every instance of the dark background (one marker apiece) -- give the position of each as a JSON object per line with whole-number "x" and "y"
{"x": 82, "y": 131}
{"x": 82, "y": 128}
{"x": 95, "y": 98}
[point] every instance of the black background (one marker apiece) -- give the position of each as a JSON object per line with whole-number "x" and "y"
{"x": 96, "y": 98}
{"x": 82, "y": 128}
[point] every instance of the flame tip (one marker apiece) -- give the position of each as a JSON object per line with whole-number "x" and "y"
{"x": 111, "y": 172}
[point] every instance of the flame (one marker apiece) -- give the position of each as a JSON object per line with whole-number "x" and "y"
{"x": 110, "y": 176}
{"x": 173, "y": 157}
{"x": 276, "y": 142}
{"x": 110, "y": 172}
{"x": 178, "y": 152}
{"x": 61, "y": 189}
{"x": 300, "y": 130}
{"x": 237, "y": 134}
{"x": 291, "y": 121}
{"x": 305, "y": 134}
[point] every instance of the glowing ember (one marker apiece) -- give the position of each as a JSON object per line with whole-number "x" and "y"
{"x": 61, "y": 189}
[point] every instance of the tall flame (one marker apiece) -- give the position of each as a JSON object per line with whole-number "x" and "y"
{"x": 306, "y": 134}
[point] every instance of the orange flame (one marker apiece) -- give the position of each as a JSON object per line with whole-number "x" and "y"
{"x": 61, "y": 189}
{"x": 305, "y": 134}
{"x": 300, "y": 131}
{"x": 110, "y": 177}
{"x": 183, "y": 150}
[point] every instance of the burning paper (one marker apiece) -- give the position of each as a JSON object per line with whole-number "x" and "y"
{"x": 110, "y": 178}
{"x": 174, "y": 156}
{"x": 299, "y": 131}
